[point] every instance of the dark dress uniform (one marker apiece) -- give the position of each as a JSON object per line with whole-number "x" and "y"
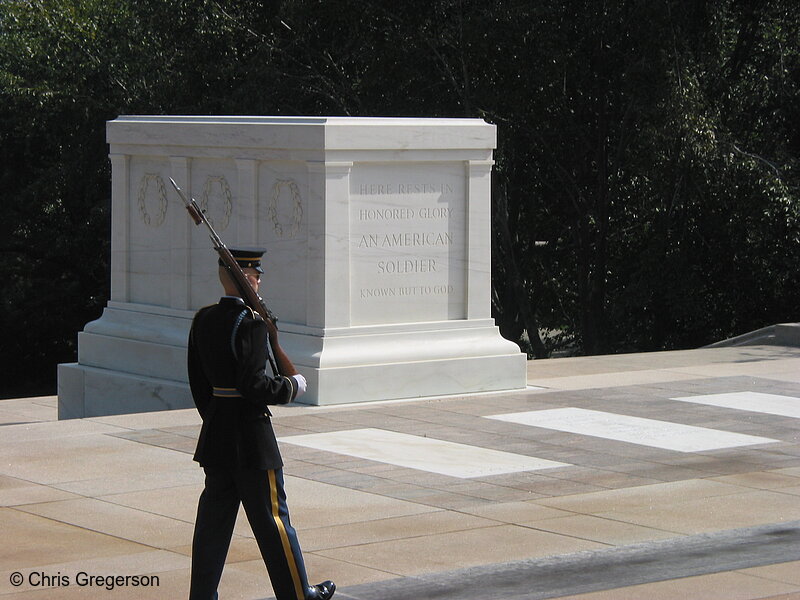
{"x": 238, "y": 450}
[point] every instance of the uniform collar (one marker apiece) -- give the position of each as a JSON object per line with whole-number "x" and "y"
{"x": 235, "y": 299}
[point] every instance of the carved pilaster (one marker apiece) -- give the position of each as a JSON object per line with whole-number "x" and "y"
{"x": 329, "y": 255}
{"x": 479, "y": 244}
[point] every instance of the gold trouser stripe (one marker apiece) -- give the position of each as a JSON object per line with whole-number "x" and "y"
{"x": 287, "y": 548}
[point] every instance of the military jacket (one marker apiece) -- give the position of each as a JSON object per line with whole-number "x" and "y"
{"x": 231, "y": 388}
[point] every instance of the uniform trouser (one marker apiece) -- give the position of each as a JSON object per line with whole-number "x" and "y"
{"x": 261, "y": 493}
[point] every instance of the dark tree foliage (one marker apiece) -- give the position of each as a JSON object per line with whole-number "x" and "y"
{"x": 652, "y": 145}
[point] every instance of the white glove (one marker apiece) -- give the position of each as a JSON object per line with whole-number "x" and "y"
{"x": 301, "y": 385}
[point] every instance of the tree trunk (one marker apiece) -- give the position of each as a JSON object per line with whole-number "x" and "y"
{"x": 506, "y": 247}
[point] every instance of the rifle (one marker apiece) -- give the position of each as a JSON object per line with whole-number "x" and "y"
{"x": 248, "y": 294}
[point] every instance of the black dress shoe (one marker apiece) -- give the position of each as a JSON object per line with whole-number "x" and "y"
{"x": 321, "y": 591}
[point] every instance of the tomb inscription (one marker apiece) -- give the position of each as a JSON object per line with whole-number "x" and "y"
{"x": 407, "y": 243}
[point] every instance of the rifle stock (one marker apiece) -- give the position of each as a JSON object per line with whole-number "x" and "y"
{"x": 248, "y": 294}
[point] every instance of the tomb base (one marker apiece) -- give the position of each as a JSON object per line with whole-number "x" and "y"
{"x": 133, "y": 359}
{"x": 387, "y": 363}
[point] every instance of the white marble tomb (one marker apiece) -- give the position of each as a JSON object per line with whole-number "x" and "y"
{"x": 378, "y": 256}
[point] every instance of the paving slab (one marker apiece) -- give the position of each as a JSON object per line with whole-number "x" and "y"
{"x": 36, "y": 541}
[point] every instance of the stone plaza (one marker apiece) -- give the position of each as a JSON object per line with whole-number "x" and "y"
{"x": 681, "y": 478}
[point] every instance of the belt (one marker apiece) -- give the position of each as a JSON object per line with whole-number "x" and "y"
{"x": 226, "y": 392}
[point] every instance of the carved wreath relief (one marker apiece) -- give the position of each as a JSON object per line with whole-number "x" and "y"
{"x": 152, "y": 192}
{"x": 152, "y": 203}
{"x": 217, "y": 191}
{"x": 283, "y": 186}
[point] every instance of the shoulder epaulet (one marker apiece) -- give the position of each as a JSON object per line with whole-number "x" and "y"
{"x": 203, "y": 309}
{"x": 200, "y": 311}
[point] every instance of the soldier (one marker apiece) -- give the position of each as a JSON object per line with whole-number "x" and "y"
{"x": 237, "y": 446}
